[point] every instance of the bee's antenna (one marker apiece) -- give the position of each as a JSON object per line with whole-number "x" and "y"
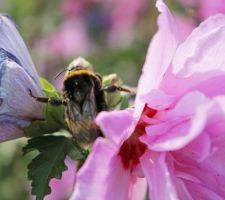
{"x": 60, "y": 73}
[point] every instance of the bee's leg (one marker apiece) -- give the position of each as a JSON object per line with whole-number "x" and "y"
{"x": 113, "y": 88}
{"x": 52, "y": 100}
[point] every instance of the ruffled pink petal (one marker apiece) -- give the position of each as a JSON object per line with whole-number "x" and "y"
{"x": 116, "y": 125}
{"x": 201, "y": 163}
{"x": 139, "y": 189}
{"x": 198, "y": 52}
{"x": 207, "y": 174}
{"x": 102, "y": 176}
{"x": 159, "y": 56}
{"x": 194, "y": 63}
{"x": 187, "y": 105}
{"x": 178, "y": 128}
{"x": 197, "y": 151}
{"x": 158, "y": 99}
{"x": 213, "y": 113}
{"x": 160, "y": 182}
{"x": 209, "y": 83}
{"x": 200, "y": 192}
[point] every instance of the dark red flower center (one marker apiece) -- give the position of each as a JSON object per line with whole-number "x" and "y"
{"x": 132, "y": 149}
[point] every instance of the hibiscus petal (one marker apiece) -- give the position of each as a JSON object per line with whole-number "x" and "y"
{"x": 157, "y": 99}
{"x": 102, "y": 176}
{"x": 139, "y": 189}
{"x": 62, "y": 188}
{"x": 178, "y": 128}
{"x": 202, "y": 155}
{"x": 187, "y": 105}
{"x": 197, "y": 151}
{"x": 12, "y": 42}
{"x": 161, "y": 186}
{"x": 10, "y": 131}
{"x": 116, "y": 125}
{"x": 163, "y": 45}
{"x": 199, "y": 50}
{"x": 213, "y": 113}
{"x": 14, "y": 95}
{"x": 200, "y": 192}
{"x": 209, "y": 83}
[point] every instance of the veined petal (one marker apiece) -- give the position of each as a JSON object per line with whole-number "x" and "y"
{"x": 204, "y": 155}
{"x": 102, "y": 176}
{"x": 159, "y": 55}
{"x": 200, "y": 192}
{"x": 11, "y": 41}
{"x": 14, "y": 95}
{"x": 161, "y": 186}
{"x": 209, "y": 83}
{"x": 158, "y": 99}
{"x": 116, "y": 125}
{"x": 179, "y": 126}
{"x": 139, "y": 189}
{"x": 10, "y": 131}
{"x": 195, "y": 148}
{"x": 203, "y": 50}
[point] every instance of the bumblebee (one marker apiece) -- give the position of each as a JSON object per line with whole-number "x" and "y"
{"x": 83, "y": 97}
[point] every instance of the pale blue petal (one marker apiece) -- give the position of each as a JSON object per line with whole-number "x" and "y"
{"x": 13, "y": 120}
{"x": 11, "y": 42}
{"x": 10, "y": 131}
{"x": 14, "y": 95}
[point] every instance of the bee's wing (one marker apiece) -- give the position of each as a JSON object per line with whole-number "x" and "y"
{"x": 80, "y": 118}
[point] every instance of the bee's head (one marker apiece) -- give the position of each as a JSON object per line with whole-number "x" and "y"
{"x": 77, "y": 64}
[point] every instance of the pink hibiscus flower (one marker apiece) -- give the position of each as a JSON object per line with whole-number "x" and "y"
{"x": 174, "y": 137}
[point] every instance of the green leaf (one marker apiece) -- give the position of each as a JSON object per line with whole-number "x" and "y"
{"x": 125, "y": 101}
{"x": 49, "y": 163}
{"x": 112, "y": 98}
{"x": 116, "y": 99}
{"x": 46, "y": 85}
{"x": 53, "y": 115}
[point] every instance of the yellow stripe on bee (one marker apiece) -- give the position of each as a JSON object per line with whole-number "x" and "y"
{"x": 68, "y": 122}
{"x": 73, "y": 73}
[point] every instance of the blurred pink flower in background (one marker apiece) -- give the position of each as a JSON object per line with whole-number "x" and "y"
{"x": 208, "y": 8}
{"x": 175, "y": 136}
{"x": 185, "y": 24}
{"x": 87, "y": 21}
{"x": 71, "y": 39}
{"x": 197, "y": 11}
{"x": 205, "y": 8}
{"x": 123, "y": 18}
{"x": 71, "y": 8}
